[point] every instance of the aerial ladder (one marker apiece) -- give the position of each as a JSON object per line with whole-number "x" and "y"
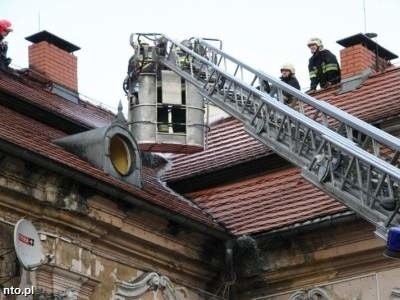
{"x": 342, "y": 155}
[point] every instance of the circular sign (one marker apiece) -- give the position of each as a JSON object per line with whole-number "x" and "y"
{"x": 28, "y": 246}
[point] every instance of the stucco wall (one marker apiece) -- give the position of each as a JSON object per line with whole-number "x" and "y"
{"x": 97, "y": 241}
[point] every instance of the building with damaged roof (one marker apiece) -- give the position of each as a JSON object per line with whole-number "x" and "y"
{"x": 235, "y": 221}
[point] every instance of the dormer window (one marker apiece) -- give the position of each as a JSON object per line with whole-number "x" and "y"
{"x": 121, "y": 155}
{"x": 111, "y": 149}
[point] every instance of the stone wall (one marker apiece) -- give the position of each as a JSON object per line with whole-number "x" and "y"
{"x": 342, "y": 260}
{"x": 98, "y": 242}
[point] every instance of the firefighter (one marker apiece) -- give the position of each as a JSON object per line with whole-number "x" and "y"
{"x": 140, "y": 62}
{"x": 288, "y": 76}
{"x": 131, "y": 84}
{"x": 5, "y": 29}
{"x": 182, "y": 59}
{"x": 323, "y": 66}
{"x": 161, "y": 46}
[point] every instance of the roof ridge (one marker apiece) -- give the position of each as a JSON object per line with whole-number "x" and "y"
{"x": 38, "y": 77}
{"x": 84, "y": 112}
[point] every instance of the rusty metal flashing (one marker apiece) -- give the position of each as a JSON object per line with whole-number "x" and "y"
{"x": 309, "y": 225}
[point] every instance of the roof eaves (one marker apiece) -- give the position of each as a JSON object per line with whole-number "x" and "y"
{"x": 216, "y": 230}
{"x": 310, "y": 224}
{"x": 209, "y": 171}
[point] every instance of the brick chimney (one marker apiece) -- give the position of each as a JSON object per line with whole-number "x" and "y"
{"x": 54, "y": 58}
{"x": 361, "y": 53}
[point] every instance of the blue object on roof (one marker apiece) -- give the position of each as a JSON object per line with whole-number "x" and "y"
{"x": 393, "y": 243}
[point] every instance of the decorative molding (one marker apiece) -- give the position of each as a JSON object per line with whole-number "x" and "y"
{"x": 299, "y": 295}
{"x": 55, "y": 280}
{"x": 58, "y": 191}
{"x": 68, "y": 294}
{"x": 91, "y": 230}
{"x": 396, "y": 293}
{"x": 149, "y": 282}
{"x": 313, "y": 294}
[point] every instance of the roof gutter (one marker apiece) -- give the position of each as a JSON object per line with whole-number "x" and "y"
{"x": 108, "y": 189}
{"x": 310, "y": 225}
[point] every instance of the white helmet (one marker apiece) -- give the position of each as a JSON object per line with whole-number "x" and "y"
{"x": 314, "y": 41}
{"x": 289, "y": 67}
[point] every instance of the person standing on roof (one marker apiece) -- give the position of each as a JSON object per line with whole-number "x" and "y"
{"x": 323, "y": 66}
{"x": 5, "y": 29}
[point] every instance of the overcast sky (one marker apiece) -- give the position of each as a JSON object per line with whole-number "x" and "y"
{"x": 262, "y": 33}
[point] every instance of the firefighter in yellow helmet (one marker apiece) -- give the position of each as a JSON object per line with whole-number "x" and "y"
{"x": 323, "y": 66}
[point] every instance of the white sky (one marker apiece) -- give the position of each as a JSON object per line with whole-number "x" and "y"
{"x": 262, "y": 33}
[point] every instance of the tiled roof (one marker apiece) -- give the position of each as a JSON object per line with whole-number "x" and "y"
{"x": 266, "y": 202}
{"x": 277, "y": 199}
{"x": 84, "y": 113}
{"x": 36, "y": 137}
{"x": 378, "y": 98}
{"x": 262, "y": 203}
{"x": 228, "y": 144}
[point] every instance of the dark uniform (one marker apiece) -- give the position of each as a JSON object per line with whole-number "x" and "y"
{"x": 4, "y": 60}
{"x": 324, "y": 69}
{"x": 140, "y": 62}
{"x": 292, "y": 81}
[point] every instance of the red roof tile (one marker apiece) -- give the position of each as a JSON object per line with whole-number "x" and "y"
{"x": 378, "y": 98}
{"x": 36, "y": 137}
{"x": 266, "y": 202}
{"x": 84, "y": 113}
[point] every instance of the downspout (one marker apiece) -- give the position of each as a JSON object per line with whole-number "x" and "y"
{"x": 229, "y": 270}
{"x": 241, "y": 259}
